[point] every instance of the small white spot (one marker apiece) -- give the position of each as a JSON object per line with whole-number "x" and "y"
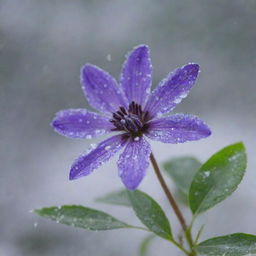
{"x": 177, "y": 100}
{"x": 35, "y": 224}
{"x": 93, "y": 146}
{"x": 109, "y": 58}
{"x": 207, "y": 174}
{"x": 136, "y": 138}
{"x": 98, "y": 131}
{"x": 184, "y": 95}
{"x": 107, "y": 147}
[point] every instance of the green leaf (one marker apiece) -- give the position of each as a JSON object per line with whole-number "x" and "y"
{"x": 182, "y": 171}
{"x": 238, "y": 244}
{"x": 217, "y": 178}
{"x": 82, "y": 217}
{"x": 150, "y": 214}
{"x": 180, "y": 197}
{"x": 119, "y": 197}
{"x": 143, "y": 249}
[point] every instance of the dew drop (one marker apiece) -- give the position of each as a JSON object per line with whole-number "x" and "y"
{"x": 136, "y": 138}
{"x": 207, "y": 174}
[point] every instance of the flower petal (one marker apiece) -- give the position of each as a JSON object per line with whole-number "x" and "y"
{"x": 136, "y": 75}
{"x": 101, "y": 89}
{"x": 86, "y": 163}
{"x": 133, "y": 162}
{"x": 172, "y": 90}
{"x": 178, "y": 128}
{"x": 80, "y": 123}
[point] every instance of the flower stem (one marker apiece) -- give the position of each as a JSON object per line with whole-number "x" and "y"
{"x": 174, "y": 205}
{"x": 168, "y": 193}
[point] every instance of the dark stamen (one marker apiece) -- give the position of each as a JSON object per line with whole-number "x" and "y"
{"x": 145, "y": 116}
{"x": 132, "y": 107}
{"x": 136, "y": 109}
{"x": 120, "y": 113}
{"x": 138, "y": 123}
{"x": 133, "y": 121}
{"x": 140, "y": 110}
{"x": 116, "y": 116}
{"x": 123, "y": 110}
{"x": 131, "y": 126}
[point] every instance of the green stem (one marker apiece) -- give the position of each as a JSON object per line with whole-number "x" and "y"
{"x": 199, "y": 234}
{"x": 189, "y": 238}
{"x": 181, "y": 247}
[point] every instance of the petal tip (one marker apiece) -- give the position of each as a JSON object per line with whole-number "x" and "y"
{"x": 139, "y": 50}
{"x": 132, "y": 186}
{"x": 87, "y": 68}
{"x": 193, "y": 67}
{"x": 55, "y": 124}
{"x": 142, "y": 47}
{"x": 52, "y": 123}
{"x": 73, "y": 175}
{"x": 208, "y": 132}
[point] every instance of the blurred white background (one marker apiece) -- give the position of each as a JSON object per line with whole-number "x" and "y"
{"x": 43, "y": 44}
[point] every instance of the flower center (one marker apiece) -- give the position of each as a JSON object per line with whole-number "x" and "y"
{"x": 133, "y": 120}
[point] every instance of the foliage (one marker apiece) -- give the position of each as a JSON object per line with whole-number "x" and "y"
{"x": 204, "y": 185}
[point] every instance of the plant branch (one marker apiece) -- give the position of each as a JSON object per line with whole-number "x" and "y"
{"x": 175, "y": 207}
{"x": 168, "y": 193}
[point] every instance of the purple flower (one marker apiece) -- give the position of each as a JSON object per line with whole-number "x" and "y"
{"x": 133, "y": 112}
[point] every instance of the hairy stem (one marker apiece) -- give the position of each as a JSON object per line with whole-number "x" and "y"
{"x": 174, "y": 205}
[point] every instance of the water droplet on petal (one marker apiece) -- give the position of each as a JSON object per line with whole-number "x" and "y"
{"x": 136, "y": 138}
{"x": 107, "y": 147}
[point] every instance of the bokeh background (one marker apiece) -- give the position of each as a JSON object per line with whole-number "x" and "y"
{"x": 43, "y": 44}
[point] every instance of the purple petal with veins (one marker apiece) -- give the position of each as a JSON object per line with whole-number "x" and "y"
{"x": 86, "y": 163}
{"x": 136, "y": 75}
{"x": 178, "y": 128}
{"x": 133, "y": 162}
{"x": 80, "y": 123}
{"x": 101, "y": 89}
{"x": 172, "y": 90}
